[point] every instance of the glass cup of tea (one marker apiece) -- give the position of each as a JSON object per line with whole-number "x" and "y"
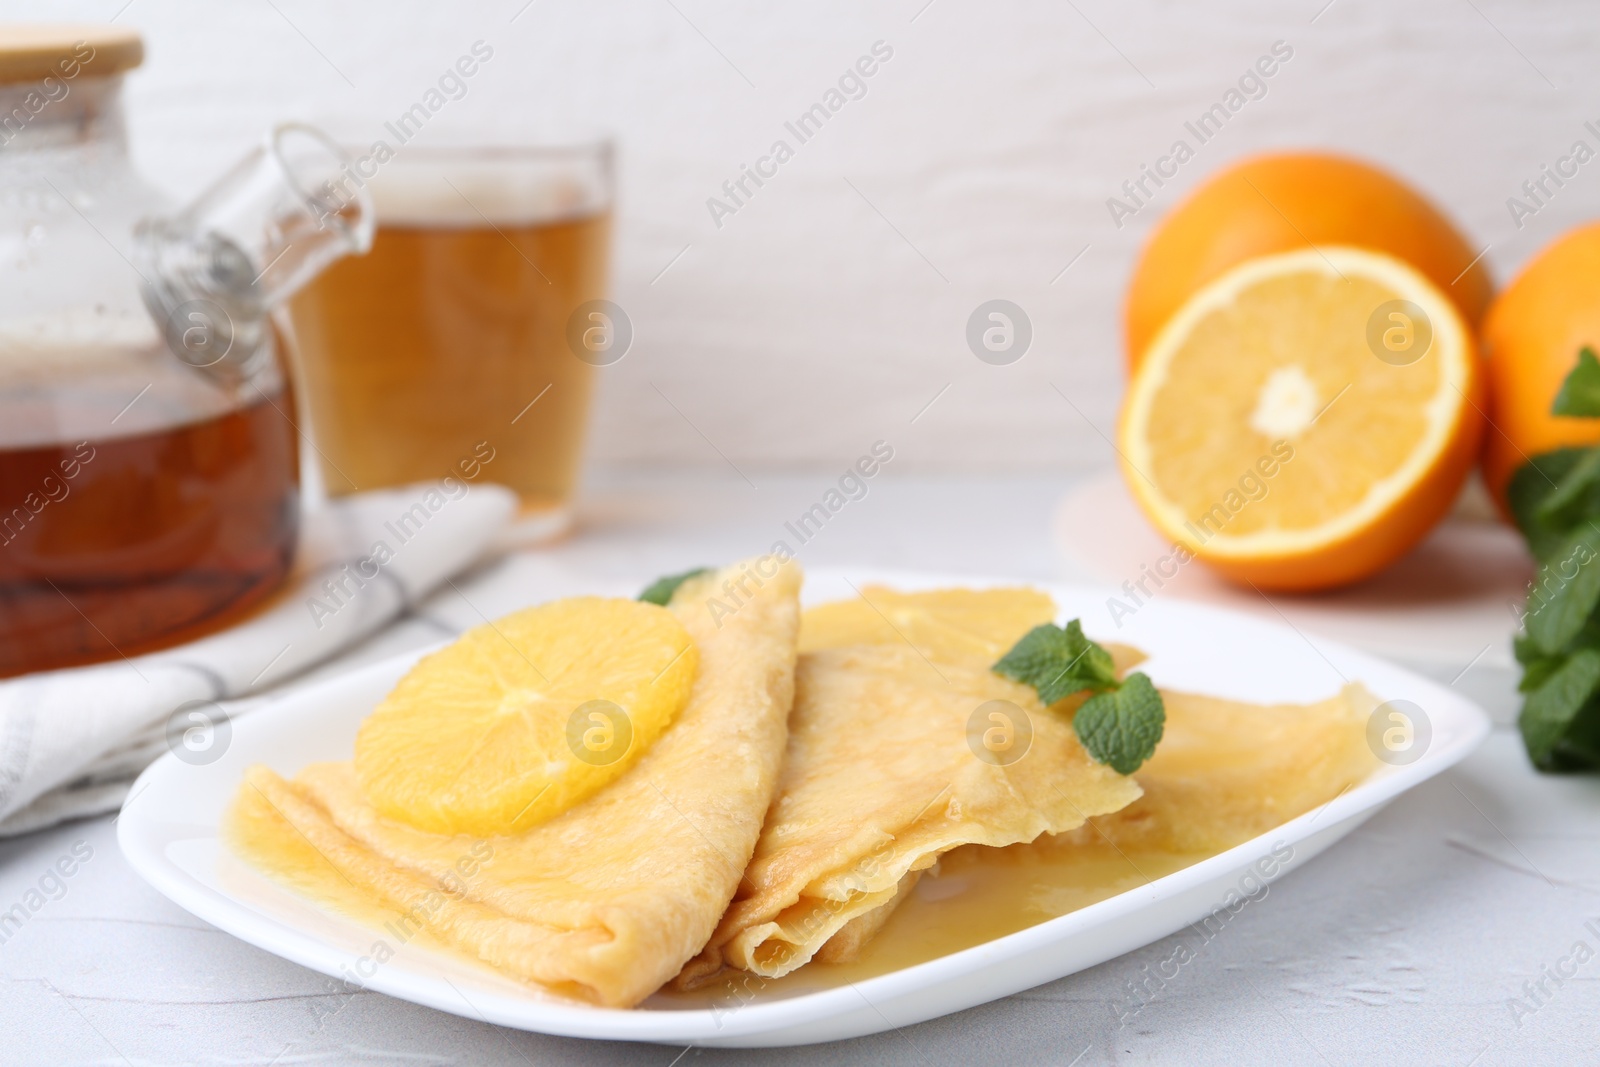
{"x": 465, "y": 343}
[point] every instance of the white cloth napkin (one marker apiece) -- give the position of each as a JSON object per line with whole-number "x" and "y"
{"x": 72, "y": 740}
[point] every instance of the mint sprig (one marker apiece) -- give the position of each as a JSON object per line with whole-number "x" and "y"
{"x": 1555, "y": 501}
{"x": 660, "y": 591}
{"x": 1121, "y": 723}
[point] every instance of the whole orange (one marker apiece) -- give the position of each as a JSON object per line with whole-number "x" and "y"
{"x": 1531, "y": 337}
{"x": 1281, "y": 203}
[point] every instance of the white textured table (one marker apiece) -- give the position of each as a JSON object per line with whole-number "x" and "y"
{"x": 1407, "y": 942}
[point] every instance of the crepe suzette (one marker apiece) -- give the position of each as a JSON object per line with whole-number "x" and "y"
{"x": 887, "y": 768}
{"x": 1227, "y": 771}
{"x": 609, "y": 897}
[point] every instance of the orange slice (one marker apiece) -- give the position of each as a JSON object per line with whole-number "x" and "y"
{"x": 523, "y": 718}
{"x": 1304, "y": 419}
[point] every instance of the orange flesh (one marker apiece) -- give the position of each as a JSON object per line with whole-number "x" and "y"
{"x": 1372, "y": 418}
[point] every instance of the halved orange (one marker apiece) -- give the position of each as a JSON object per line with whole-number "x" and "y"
{"x": 1306, "y": 418}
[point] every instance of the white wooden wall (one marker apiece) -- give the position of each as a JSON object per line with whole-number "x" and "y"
{"x": 830, "y": 308}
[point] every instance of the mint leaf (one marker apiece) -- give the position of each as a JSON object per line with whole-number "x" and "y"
{"x": 1058, "y": 662}
{"x": 1566, "y": 589}
{"x": 1552, "y": 709}
{"x": 1120, "y": 728}
{"x": 1536, "y": 664}
{"x": 1551, "y": 495}
{"x": 1120, "y": 724}
{"x": 1579, "y": 747}
{"x": 660, "y": 591}
{"x": 1580, "y": 393}
{"x": 1571, "y": 499}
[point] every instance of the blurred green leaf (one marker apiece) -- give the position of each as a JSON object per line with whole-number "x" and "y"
{"x": 1536, "y": 665}
{"x": 660, "y": 591}
{"x": 1550, "y": 710}
{"x": 1566, "y": 589}
{"x": 1573, "y": 497}
{"x": 1580, "y": 393}
{"x": 1578, "y": 747}
{"x": 1537, "y": 481}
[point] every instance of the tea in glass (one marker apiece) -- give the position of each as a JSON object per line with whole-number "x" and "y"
{"x": 448, "y": 342}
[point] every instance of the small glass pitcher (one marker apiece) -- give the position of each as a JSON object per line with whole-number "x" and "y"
{"x": 149, "y": 468}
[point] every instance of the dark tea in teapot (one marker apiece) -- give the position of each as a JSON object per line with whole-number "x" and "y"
{"x": 112, "y": 545}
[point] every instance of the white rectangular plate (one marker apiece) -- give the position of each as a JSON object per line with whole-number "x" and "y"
{"x": 170, "y": 834}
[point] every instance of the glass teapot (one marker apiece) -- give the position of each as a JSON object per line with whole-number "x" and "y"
{"x": 149, "y": 469}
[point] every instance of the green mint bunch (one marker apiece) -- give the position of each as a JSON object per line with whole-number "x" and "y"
{"x": 1555, "y": 500}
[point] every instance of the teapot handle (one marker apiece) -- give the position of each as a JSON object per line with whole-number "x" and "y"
{"x": 212, "y": 272}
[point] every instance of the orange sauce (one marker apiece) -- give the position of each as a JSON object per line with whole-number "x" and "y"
{"x": 976, "y": 895}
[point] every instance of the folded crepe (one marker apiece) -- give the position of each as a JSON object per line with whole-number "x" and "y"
{"x": 607, "y": 900}
{"x": 885, "y": 771}
{"x": 1227, "y": 771}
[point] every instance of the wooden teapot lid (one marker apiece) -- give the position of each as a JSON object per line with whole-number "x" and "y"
{"x": 35, "y": 51}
